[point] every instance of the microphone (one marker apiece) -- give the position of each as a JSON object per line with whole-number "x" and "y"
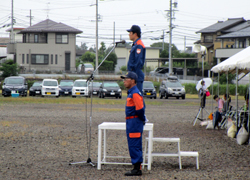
{"x": 120, "y": 42}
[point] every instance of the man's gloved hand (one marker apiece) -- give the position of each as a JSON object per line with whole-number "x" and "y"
{"x": 146, "y": 120}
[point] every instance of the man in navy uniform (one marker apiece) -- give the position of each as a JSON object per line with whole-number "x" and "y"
{"x": 137, "y": 55}
{"x": 135, "y": 120}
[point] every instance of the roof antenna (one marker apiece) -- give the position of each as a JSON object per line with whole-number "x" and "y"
{"x": 48, "y": 10}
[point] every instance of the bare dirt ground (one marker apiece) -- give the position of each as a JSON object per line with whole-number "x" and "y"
{"x": 38, "y": 141}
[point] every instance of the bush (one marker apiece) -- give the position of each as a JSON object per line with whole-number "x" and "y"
{"x": 120, "y": 83}
{"x": 30, "y": 83}
{"x": 124, "y": 68}
{"x": 242, "y": 89}
{"x": 190, "y": 88}
{"x": 9, "y": 68}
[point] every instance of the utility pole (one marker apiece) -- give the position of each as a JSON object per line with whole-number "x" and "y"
{"x": 170, "y": 34}
{"x": 11, "y": 34}
{"x": 184, "y": 43}
{"x": 30, "y": 17}
{"x": 163, "y": 40}
{"x": 114, "y": 34}
{"x": 96, "y": 39}
{"x": 170, "y": 66}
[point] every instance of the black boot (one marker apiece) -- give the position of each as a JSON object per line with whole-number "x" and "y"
{"x": 136, "y": 171}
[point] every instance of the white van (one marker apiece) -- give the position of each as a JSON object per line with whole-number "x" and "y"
{"x": 80, "y": 88}
{"x": 50, "y": 88}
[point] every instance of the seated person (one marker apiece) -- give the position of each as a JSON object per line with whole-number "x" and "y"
{"x": 217, "y": 114}
{"x": 226, "y": 104}
{"x": 220, "y": 102}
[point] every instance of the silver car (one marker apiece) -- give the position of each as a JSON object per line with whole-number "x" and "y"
{"x": 172, "y": 88}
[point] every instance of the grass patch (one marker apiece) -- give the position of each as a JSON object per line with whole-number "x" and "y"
{"x": 82, "y": 100}
{"x": 67, "y": 100}
{"x": 7, "y": 123}
{"x": 110, "y": 109}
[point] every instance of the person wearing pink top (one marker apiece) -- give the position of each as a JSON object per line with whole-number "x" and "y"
{"x": 217, "y": 114}
{"x": 220, "y": 102}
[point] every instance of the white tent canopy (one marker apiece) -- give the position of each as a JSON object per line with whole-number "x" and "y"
{"x": 244, "y": 63}
{"x": 232, "y": 62}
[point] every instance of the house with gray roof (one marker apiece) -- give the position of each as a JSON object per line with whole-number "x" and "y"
{"x": 210, "y": 34}
{"x": 46, "y": 46}
{"x": 239, "y": 36}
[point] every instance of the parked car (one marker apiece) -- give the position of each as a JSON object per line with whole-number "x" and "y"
{"x": 65, "y": 87}
{"x": 171, "y": 87}
{"x": 96, "y": 87}
{"x": 80, "y": 88}
{"x": 110, "y": 89}
{"x": 50, "y": 88}
{"x": 14, "y": 85}
{"x": 86, "y": 68}
{"x": 149, "y": 90}
{"x": 36, "y": 88}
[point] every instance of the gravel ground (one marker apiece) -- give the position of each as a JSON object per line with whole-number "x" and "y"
{"x": 38, "y": 141}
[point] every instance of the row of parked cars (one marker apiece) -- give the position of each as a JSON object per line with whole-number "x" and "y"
{"x": 169, "y": 87}
{"x": 51, "y": 87}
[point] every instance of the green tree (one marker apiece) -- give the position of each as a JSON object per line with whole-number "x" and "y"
{"x": 113, "y": 58}
{"x": 9, "y": 68}
{"x": 223, "y": 78}
{"x": 82, "y": 47}
{"x": 102, "y": 50}
{"x": 110, "y": 62}
{"x": 88, "y": 57}
{"x": 164, "y": 54}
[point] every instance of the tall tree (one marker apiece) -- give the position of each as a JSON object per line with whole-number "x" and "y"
{"x": 102, "y": 49}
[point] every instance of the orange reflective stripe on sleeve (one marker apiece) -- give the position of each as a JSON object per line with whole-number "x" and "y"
{"x": 138, "y": 101}
{"x": 135, "y": 135}
{"x": 130, "y": 102}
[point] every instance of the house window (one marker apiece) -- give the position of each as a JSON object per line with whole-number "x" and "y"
{"x": 23, "y": 59}
{"x": 27, "y": 58}
{"x": 51, "y": 59}
{"x": 56, "y": 59}
{"x": 39, "y": 59}
{"x": 242, "y": 43}
{"x": 208, "y": 38}
{"x": 36, "y": 38}
{"x": 61, "y": 38}
{"x": 43, "y": 38}
{"x": 24, "y": 38}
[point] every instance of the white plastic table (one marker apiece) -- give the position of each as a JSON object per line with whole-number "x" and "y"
{"x": 120, "y": 126}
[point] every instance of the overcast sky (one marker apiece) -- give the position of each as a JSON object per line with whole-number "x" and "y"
{"x": 150, "y": 15}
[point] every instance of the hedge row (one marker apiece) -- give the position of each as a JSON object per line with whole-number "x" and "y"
{"x": 242, "y": 89}
{"x": 191, "y": 88}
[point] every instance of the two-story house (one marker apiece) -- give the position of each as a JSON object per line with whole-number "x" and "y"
{"x": 210, "y": 34}
{"x": 236, "y": 40}
{"x": 46, "y": 46}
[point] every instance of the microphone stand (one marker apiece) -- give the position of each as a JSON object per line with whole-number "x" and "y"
{"x": 91, "y": 78}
